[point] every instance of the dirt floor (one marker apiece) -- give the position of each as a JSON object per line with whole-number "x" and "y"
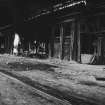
{"x": 14, "y": 92}
{"x": 80, "y": 84}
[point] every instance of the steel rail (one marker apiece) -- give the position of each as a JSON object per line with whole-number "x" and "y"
{"x": 49, "y": 97}
{"x": 56, "y": 95}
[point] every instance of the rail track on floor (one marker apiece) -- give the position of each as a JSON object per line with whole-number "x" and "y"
{"x": 48, "y": 93}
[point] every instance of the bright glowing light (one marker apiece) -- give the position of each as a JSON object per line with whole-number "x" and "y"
{"x": 16, "y": 40}
{"x": 16, "y": 43}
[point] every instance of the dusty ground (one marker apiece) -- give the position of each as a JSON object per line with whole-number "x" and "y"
{"x": 14, "y": 92}
{"x": 66, "y": 79}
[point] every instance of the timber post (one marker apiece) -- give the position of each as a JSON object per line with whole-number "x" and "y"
{"x": 78, "y": 42}
{"x": 72, "y": 41}
{"x": 77, "y": 47}
{"x": 61, "y": 41}
{"x": 51, "y": 44}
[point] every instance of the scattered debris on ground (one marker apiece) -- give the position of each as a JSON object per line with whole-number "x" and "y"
{"x": 69, "y": 78}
